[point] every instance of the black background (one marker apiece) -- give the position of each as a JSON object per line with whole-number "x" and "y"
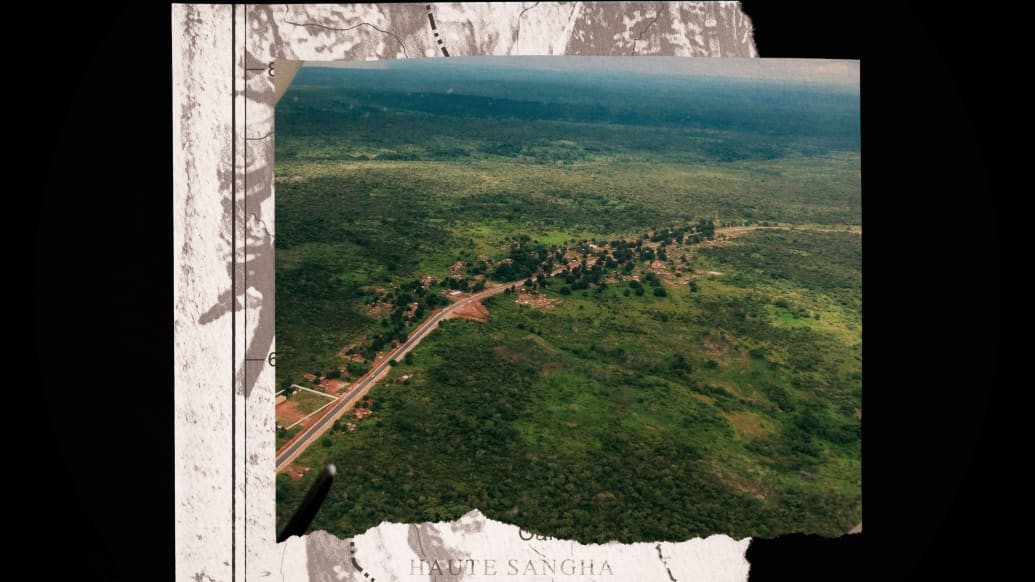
{"x": 90, "y": 462}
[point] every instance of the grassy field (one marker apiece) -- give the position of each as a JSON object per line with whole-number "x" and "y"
{"x": 676, "y": 388}
{"x": 307, "y": 402}
{"x": 405, "y": 220}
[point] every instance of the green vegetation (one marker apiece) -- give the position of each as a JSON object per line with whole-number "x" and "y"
{"x": 307, "y": 402}
{"x": 675, "y": 378}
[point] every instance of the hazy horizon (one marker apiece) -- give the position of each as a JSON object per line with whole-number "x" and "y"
{"x": 842, "y": 73}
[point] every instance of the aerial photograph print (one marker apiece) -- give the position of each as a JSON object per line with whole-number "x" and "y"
{"x": 599, "y": 298}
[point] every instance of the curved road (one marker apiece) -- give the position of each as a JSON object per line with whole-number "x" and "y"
{"x": 293, "y": 448}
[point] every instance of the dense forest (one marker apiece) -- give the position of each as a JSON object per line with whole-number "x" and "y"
{"x": 681, "y": 354}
